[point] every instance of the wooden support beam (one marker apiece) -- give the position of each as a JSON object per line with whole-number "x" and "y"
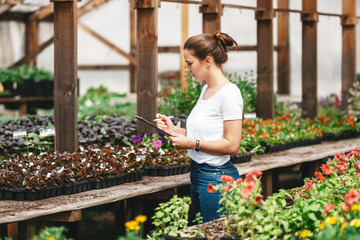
{"x": 211, "y": 11}
{"x": 108, "y": 43}
{"x": 184, "y": 37}
{"x": 147, "y": 69}
{"x": 4, "y": 8}
{"x": 133, "y": 72}
{"x": 105, "y": 67}
{"x": 309, "y": 58}
{"x": 348, "y": 60}
{"x": 283, "y": 54}
{"x": 31, "y": 40}
{"x": 308, "y": 169}
{"x": 265, "y": 62}
{"x": 65, "y": 76}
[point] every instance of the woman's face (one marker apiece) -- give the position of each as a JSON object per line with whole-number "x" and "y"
{"x": 195, "y": 66}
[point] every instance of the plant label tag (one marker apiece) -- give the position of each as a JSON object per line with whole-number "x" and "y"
{"x": 47, "y": 132}
{"x": 18, "y": 134}
{"x": 249, "y": 115}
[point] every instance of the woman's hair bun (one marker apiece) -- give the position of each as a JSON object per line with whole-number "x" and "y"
{"x": 224, "y": 40}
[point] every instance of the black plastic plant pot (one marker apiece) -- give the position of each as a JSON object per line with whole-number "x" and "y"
{"x": 96, "y": 184}
{"x": 8, "y": 193}
{"x": 1, "y": 194}
{"x": 120, "y": 179}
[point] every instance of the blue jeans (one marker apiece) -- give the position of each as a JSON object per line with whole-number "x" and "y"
{"x": 200, "y": 176}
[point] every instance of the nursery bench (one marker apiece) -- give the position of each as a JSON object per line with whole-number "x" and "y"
{"x": 270, "y": 164}
{"x": 22, "y": 103}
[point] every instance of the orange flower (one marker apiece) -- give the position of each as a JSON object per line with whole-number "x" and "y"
{"x": 320, "y": 176}
{"x": 308, "y": 185}
{"x": 248, "y": 190}
{"x": 226, "y": 178}
{"x": 239, "y": 181}
{"x": 326, "y": 169}
{"x": 265, "y": 135}
{"x": 210, "y": 188}
{"x": 352, "y": 196}
{"x": 228, "y": 186}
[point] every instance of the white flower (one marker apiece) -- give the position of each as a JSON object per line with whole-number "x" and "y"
{"x": 61, "y": 169}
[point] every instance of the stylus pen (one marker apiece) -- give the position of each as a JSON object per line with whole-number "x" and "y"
{"x": 157, "y": 119}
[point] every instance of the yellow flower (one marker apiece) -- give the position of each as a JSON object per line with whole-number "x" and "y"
{"x": 321, "y": 225}
{"x": 344, "y": 224}
{"x": 355, "y": 222}
{"x": 132, "y": 225}
{"x": 50, "y": 238}
{"x": 355, "y": 207}
{"x": 330, "y": 220}
{"x": 305, "y": 233}
{"x": 141, "y": 218}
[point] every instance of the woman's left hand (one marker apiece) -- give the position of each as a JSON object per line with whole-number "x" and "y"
{"x": 180, "y": 141}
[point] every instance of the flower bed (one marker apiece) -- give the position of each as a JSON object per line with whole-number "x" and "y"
{"x": 52, "y": 174}
{"x": 326, "y": 207}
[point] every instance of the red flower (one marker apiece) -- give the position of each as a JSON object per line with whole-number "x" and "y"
{"x": 357, "y": 166}
{"x": 340, "y": 157}
{"x": 320, "y": 176}
{"x": 327, "y": 208}
{"x": 352, "y": 196}
{"x": 228, "y": 186}
{"x": 326, "y": 169}
{"x": 210, "y": 188}
{"x": 248, "y": 190}
{"x": 252, "y": 175}
{"x": 353, "y": 153}
{"x": 308, "y": 185}
{"x": 239, "y": 181}
{"x": 357, "y": 175}
{"x": 226, "y": 178}
{"x": 258, "y": 199}
{"x": 341, "y": 167}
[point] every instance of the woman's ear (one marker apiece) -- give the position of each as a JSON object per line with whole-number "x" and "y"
{"x": 208, "y": 59}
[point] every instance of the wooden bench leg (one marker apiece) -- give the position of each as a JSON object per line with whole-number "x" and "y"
{"x": 309, "y": 168}
{"x": 22, "y": 109}
{"x": 267, "y": 183}
{"x": 12, "y": 231}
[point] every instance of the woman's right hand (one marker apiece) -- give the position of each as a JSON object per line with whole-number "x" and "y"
{"x": 165, "y": 123}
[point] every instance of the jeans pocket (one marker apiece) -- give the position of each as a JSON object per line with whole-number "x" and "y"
{"x": 233, "y": 173}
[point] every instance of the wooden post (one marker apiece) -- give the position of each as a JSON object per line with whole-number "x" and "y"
{"x": 212, "y": 11}
{"x": 309, "y": 19}
{"x": 133, "y": 77}
{"x": 265, "y": 62}
{"x": 348, "y": 61}
{"x": 147, "y": 50}
{"x": 283, "y": 54}
{"x": 31, "y": 40}
{"x": 184, "y": 37}
{"x": 65, "y": 75}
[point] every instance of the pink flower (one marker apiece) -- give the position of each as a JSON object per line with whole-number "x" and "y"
{"x": 326, "y": 169}
{"x": 327, "y": 208}
{"x": 352, "y": 196}
{"x": 252, "y": 175}
{"x": 248, "y": 190}
{"x": 308, "y": 185}
{"x": 226, "y": 178}
{"x": 157, "y": 143}
{"x": 353, "y": 153}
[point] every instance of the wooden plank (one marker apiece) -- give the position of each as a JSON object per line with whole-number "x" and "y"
{"x": 265, "y": 62}
{"x": 211, "y": 14}
{"x": 133, "y": 71}
{"x": 71, "y": 216}
{"x": 283, "y": 54}
{"x": 309, "y": 59}
{"x": 14, "y": 211}
{"x": 184, "y": 37}
{"x": 169, "y": 49}
{"x": 108, "y": 43}
{"x": 348, "y": 60}
{"x": 65, "y": 76}
{"x": 147, "y": 69}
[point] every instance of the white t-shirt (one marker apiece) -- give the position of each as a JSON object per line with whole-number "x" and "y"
{"x": 206, "y": 120}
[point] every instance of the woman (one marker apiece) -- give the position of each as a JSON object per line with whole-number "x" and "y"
{"x": 214, "y": 126}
